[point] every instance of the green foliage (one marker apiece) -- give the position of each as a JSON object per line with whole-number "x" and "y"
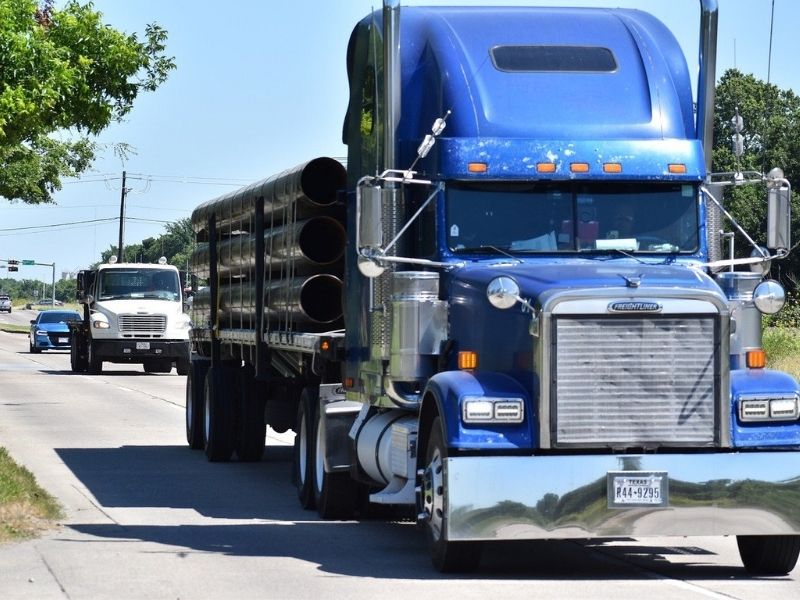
{"x": 176, "y": 245}
{"x": 64, "y": 70}
{"x": 23, "y": 291}
{"x": 771, "y": 139}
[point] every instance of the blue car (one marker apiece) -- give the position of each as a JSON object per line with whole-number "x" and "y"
{"x": 49, "y": 330}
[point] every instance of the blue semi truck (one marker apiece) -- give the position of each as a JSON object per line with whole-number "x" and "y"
{"x": 512, "y": 312}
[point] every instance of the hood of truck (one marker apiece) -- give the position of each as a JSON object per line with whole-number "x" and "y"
{"x": 502, "y": 339}
{"x": 537, "y": 279}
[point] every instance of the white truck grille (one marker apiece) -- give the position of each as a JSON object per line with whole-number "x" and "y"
{"x": 153, "y": 324}
{"x": 634, "y": 382}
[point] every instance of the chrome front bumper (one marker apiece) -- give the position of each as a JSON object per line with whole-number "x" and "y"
{"x": 559, "y": 497}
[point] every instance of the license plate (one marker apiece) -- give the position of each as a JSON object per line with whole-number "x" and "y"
{"x": 63, "y": 340}
{"x": 629, "y": 489}
{"x": 143, "y": 345}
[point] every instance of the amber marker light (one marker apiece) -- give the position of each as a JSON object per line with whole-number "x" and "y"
{"x": 348, "y": 383}
{"x": 756, "y": 359}
{"x": 477, "y": 167}
{"x": 579, "y": 167}
{"x": 467, "y": 360}
{"x": 612, "y": 168}
{"x": 546, "y": 167}
{"x": 676, "y": 168}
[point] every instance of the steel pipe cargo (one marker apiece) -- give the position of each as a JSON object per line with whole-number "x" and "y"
{"x": 313, "y": 300}
{"x": 315, "y": 242}
{"x": 292, "y": 194}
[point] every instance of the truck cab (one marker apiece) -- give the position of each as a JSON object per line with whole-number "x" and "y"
{"x": 133, "y": 313}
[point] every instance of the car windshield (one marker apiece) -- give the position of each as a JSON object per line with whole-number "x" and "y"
{"x": 55, "y": 316}
{"x": 572, "y": 217}
{"x": 161, "y": 284}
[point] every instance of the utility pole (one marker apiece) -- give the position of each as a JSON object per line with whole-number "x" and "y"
{"x": 121, "y": 218}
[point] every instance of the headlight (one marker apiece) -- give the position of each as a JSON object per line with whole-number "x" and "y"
{"x": 100, "y": 324}
{"x": 480, "y": 409}
{"x": 769, "y": 297}
{"x": 41, "y": 332}
{"x": 783, "y": 408}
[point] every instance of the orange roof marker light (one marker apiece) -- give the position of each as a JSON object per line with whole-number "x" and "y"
{"x": 756, "y": 359}
{"x": 579, "y": 167}
{"x": 676, "y": 168}
{"x": 477, "y": 167}
{"x": 467, "y": 360}
{"x": 545, "y": 167}
{"x": 612, "y": 167}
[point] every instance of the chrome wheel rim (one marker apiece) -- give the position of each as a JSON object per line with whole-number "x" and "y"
{"x": 433, "y": 495}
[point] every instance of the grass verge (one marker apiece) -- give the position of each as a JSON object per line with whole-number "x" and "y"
{"x": 782, "y": 345}
{"x": 11, "y": 328}
{"x": 25, "y": 508}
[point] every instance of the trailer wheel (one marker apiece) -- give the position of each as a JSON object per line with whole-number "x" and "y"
{"x": 335, "y": 494}
{"x": 195, "y": 399}
{"x": 304, "y": 446}
{"x": 447, "y": 556}
{"x": 252, "y": 428}
{"x": 218, "y": 414}
{"x": 94, "y": 362}
{"x": 769, "y": 554}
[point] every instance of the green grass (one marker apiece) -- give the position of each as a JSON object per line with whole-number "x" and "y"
{"x": 25, "y": 508}
{"x": 782, "y": 345}
{"x": 11, "y": 328}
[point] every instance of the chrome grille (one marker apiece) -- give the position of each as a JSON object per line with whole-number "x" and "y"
{"x": 142, "y": 323}
{"x": 631, "y": 382}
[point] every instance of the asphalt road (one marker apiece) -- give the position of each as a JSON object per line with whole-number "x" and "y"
{"x": 148, "y": 518}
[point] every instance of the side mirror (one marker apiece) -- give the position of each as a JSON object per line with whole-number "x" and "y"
{"x": 779, "y": 194}
{"x": 33, "y": 321}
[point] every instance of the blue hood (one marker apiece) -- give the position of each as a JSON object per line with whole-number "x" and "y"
{"x": 535, "y": 279}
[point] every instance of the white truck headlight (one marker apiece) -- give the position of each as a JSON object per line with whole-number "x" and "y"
{"x": 98, "y": 324}
{"x": 480, "y": 409}
{"x": 782, "y": 408}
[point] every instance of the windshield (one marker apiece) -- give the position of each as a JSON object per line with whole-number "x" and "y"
{"x": 53, "y": 316}
{"x": 139, "y": 283}
{"x": 572, "y": 217}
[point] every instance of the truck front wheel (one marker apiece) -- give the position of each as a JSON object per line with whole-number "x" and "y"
{"x": 94, "y": 362}
{"x": 447, "y": 556}
{"x": 77, "y": 355}
{"x": 769, "y": 554}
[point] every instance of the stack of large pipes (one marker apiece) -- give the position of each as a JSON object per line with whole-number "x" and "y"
{"x": 304, "y": 244}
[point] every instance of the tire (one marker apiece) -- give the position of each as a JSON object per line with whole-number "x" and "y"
{"x": 218, "y": 414}
{"x": 77, "y": 359}
{"x": 182, "y": 366}
{"x": 251, "y": 426}
{"x": 769, "y": 554}
{"x": 149, "y": 366}
{"x": 304, "y": 446}
{"x": 195, "y": 386}
{"x": 447, "y": 556}
{"x": 33, "y": 349}
{"x": 335, "y": 494}
{"x": 94, "y": 362}
{"x": 157, "y": 365}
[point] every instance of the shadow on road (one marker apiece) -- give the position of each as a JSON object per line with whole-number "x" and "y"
{"x": 175, "y": 477}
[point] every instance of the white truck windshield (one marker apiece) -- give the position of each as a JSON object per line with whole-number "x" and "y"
{"x": 573, "y": 217}
{"x": 159, "y": 284}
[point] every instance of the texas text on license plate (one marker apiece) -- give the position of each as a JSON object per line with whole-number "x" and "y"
{"x": 143, "y": 345}
{"x": 637, "y": 488}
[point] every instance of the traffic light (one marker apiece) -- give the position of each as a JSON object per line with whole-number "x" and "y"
{"x": 12, "y": 265}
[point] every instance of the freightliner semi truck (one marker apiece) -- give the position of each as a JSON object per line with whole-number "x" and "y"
{"x": 513, "y": 312}
{"x": 132, "y": 313}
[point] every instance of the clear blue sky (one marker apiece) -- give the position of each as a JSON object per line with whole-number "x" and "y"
{"x": 260, "y": 86}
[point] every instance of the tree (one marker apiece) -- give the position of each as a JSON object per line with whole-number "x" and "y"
{"x": 771, "y": 139}
{"x": 65, "y": 73}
